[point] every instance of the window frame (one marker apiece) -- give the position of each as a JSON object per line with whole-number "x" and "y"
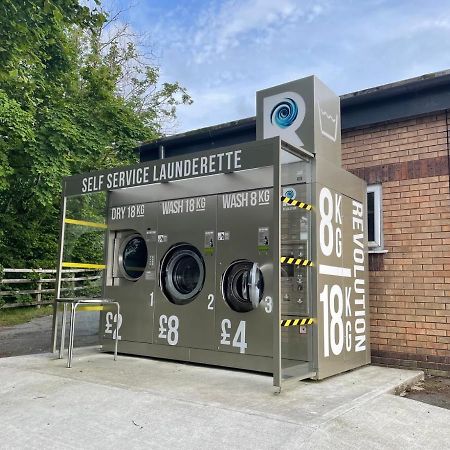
{"x": 378, "y": 243}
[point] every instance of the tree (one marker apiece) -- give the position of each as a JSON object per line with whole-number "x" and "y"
{"x": 66, "y": 106}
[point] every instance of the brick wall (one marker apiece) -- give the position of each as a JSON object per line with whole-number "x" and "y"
{"x": 409, "y": 285}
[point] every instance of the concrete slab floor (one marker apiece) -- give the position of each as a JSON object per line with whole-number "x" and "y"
{"x": 145, "y": 403}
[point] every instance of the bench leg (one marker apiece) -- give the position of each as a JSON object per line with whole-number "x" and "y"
{"x": 117, "y": 332}
{"x": 71, "y": 335}
{"x": 63, "y": 331}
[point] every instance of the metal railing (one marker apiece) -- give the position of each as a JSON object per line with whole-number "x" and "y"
{"x": 73, "y": 280}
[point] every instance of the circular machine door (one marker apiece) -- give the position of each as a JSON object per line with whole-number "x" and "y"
{"x": 133, "y": 257}
{"x": 182, "y": 274}
{"x": 243, "y": 286}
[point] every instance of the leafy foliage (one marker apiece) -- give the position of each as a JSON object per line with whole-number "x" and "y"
{"x": 74, "y": 96}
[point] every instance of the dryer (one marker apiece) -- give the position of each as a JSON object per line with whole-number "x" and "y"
{"x": 131, "y": 270}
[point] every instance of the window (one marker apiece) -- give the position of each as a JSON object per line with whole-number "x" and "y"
{"x": 374, "y": 217}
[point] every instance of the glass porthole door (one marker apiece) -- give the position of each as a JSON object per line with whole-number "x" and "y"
{"x": 182, "y": 274}
{"x": 243, "y": 286}
{"x": 133, "y": 257}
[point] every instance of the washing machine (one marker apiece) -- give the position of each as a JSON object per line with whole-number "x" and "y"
{"x": 131, "y": 269}
{"x": 244, "y": 319}
{"x": 184, "y": 310}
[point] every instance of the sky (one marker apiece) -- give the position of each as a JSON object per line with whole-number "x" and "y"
{"x": 224, "y": 51}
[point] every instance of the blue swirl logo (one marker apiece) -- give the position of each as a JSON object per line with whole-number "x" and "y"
{"x": 289, "y": 192}
{"x": 284, "y": 113}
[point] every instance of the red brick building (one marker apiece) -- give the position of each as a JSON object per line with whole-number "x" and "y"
{"x": 396, "y": 137}
{"x": 405, "y": 162}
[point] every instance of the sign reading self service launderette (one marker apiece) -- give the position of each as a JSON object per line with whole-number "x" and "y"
{"x": 225, "y": 160}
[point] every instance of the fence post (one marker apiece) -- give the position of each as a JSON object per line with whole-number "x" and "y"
{"x": 72, "y": 284}
{"x": 39, "y": 288}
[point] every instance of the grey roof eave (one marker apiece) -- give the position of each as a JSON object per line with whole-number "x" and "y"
{"x": 407, "y": 98}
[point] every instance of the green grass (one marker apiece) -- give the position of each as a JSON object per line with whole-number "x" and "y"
{"x": 15, "y": 316}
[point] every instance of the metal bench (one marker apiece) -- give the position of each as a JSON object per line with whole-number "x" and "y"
{"x": 75, "y": 303}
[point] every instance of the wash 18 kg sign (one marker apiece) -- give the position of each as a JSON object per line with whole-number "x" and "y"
{"x": 341, "y": 276}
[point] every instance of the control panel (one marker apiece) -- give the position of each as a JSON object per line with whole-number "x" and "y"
{"x": 295, "y": 224}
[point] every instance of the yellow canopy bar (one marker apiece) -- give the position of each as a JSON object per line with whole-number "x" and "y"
{"x": 86, "y": 223}
{"x": 90, "y": 308}
{"x": 83, "y": 265}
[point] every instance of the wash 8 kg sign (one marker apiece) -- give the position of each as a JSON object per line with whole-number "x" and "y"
{"x": 341, "y": 275}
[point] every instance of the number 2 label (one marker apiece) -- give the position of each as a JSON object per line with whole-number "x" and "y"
{"x": 211, "y": 301}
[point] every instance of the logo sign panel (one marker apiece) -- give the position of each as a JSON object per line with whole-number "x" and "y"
{"x": 283, "y": 115}
{"x": 304, "y": 113}
{"x": 287, "y": 111}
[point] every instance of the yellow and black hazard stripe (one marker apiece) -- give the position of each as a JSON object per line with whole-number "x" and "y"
{"x": 298, "y": 203}
{"x": 296, "y": 261}
{"x": 297, "y": 322}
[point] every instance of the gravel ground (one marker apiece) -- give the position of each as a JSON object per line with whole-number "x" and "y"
{"x": 433, "y": 391}
{"x": 35, "y": 336}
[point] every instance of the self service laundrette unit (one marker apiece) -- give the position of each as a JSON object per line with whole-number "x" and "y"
{"x": 252, "y": 256}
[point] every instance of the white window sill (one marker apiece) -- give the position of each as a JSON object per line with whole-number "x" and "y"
{"x": 377, "y": 251}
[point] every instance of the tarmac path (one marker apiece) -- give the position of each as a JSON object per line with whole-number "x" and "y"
{"x": 35, "y": 336}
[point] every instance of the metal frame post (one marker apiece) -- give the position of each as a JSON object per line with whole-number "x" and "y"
{"x": 311, "y": 277}
{"x": 59, "y": 267}
{"x": 104, "y": 272}
{"x": 276, "y": 268}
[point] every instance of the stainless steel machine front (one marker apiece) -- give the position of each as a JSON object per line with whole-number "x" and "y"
{"x": 186, "y": 276}
{"x": 245, "y": 270}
